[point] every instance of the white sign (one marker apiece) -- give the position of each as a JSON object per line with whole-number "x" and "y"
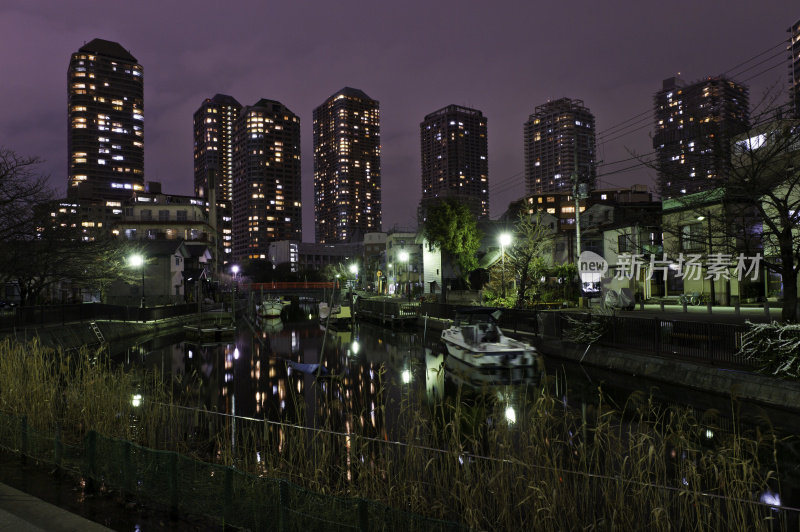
{"x": 591, "y": 262}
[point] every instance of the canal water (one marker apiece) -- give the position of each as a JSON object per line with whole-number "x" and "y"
{"x": 285, "y": 371}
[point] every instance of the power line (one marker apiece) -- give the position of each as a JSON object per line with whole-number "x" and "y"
{"x": 608, "y": 131}
{"x": 781, "y": 44}
{"x": 636, "y": 157}
{"x": 627, "y": 168}
{"x": 646, "y": 119}
{"x": 626, "y": 133}
{"x": 618, "y": 124}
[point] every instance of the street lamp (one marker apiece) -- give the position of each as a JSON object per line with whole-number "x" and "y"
{"x": 707, "y": 217}
{"x": 354, "y": 270}
{"x": 137, "y": 261}
{"x": 234, "y": 271}
{"x": 505, "y": 239}
{"x": 403, "y": 256}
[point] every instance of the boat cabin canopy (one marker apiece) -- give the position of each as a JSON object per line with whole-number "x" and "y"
{"x": 476, "y": 315}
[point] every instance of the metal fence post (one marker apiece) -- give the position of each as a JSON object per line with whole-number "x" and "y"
{"x": 363, "y": 516}
{"x": 283, "y": 500}
{"x": 709, "y": 344}
{"x": 58, "y": 450}
{"x": 91, "y": 458}
{"x": 126, "y": 468}
{"x": 657, "y": 335}
{"x": 24, "y": 436}
{"x": 228, "y": 496}
{"x": 173, "y": 483}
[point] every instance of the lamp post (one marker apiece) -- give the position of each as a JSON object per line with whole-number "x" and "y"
{"x": 505, "y": 239}
{"x": 234, "y": 271}
{"x": 354, "y": 271}
{"x": 137, "y": 261}
{"x": 403, "y": 256}
{"x": 707, "y": 217}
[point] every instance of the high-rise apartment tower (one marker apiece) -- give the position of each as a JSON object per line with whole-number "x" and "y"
{"x": 214, "y": 124}
{"x": 559, "y": 147}
{"x": 105, "y": 130}
{"x": 266, "y": 179}
{"x": 694, "y": 127}
{"x": 455, "y": 157}
{"x": 347, "y": 167}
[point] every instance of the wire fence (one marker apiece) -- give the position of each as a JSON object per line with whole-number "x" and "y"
{"x": 215, "y": 491}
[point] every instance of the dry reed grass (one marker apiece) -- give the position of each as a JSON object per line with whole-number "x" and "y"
{"x": 637, "y": 467}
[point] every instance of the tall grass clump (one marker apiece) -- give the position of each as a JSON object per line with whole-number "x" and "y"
{"x": 640, "y": 466}
{"x": 78, "y": 391}
{"x": 592, "y": 466}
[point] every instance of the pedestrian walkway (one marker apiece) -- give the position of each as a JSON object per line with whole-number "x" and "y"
{"x": 21, "y": 512}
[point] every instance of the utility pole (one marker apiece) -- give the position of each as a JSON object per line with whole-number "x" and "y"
{"x": 575, "y": 196}
{"x": 577, "y": 193}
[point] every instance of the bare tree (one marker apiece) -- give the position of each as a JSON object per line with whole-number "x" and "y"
{"x": 21, "y": 190}
{"x": 42, "y": 250}
{"x": 765, "y": 184}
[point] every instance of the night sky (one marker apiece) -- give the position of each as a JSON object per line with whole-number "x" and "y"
{"x": 503, "y": 58}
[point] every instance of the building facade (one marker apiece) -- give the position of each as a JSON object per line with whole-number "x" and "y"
{"x": 266, "y": 179}
{"x": 694, "y": 127}
{"x": 455, "y": 157}
{"x": 214, "y": 123}
{"x": 347, "y": 167}
{"x": 560, "y": 147}
{"x": 794, "y": 67}
{"x": 105, "y": 128}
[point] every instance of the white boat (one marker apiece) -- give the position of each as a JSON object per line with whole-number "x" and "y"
{"x": 271, "y": 308}
{"x": 476, "y": 339}
{"x": 338, "y": 316}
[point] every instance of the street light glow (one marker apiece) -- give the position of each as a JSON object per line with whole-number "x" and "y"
{"x": 505, "y": 239}
{"x": 403, "y": 256}
{"x": 354, "y": 269}
{"x": 136, "y": 260}
{"x": 235, "y": 269}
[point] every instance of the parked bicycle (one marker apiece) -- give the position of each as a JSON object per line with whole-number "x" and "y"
{"x": 690, "y": 299}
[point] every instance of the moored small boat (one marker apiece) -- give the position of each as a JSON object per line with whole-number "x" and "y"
{"x": 476, "y": 339}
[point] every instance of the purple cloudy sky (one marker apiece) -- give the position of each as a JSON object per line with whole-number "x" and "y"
{"x": 503, "y": 58}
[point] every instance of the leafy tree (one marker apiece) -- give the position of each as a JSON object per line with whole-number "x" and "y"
{"x": 529, "y": 253}
{"x": 451, "y": 227}
{"x": 258, "y": 270}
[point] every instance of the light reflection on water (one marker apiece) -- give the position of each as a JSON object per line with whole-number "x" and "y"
{"x": 276, "y": 377}
{"x": 272, "y": 372}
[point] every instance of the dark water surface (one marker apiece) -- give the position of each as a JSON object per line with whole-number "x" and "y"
{"x": 260, "y": 374}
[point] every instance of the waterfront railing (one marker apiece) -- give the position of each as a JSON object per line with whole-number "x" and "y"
{"x": 80, "y": 312}
{"x": 221, "y": 493}
{"x": 706, "y": 342}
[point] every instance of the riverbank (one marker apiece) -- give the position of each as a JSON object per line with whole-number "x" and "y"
{"x": 743, "y": 386}
{"x": 78, "y": 334}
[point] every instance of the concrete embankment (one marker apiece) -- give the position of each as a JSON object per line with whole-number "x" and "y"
{"x": 743, "y": 386}
{"x": 78, "y": 334}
